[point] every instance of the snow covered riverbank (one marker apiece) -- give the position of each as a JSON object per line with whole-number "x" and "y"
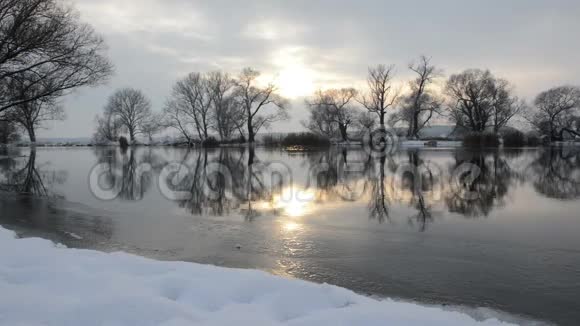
{"x": 46, "y": 284}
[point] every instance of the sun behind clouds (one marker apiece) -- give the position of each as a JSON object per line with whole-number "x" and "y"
{"x": 295, "y": 81}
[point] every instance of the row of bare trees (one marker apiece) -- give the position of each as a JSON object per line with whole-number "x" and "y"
{"x": 480, "y": 101}
{"x": 477, "y": 98}
{"x": 474, "y": 100}
{"x": 45, "y": 53}
{"x": 334, "y": 111}
{"x": 215, "y": 103}
{"x": 200, "y": 105}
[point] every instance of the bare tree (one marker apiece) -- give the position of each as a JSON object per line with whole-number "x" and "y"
{"x": 557, "y": 110}
{"x": 192, "y": 98}
{"x": 336, "y": 104}
{"x": 255, "y": 99}
{"x": 381, "y": 95}
{"x": 366, "y": 122}
{"x": 152, "y": 126}
{"x": 173, "y": 117}
{"x": 227, "y": 113}
{"x": 132, "y": 108}
{"x": 421, "y": 104}
{"x": 108, "y": 128}
{"x": 44, "y": 46}
{"x": 321, "y": 121}
{"x": 480, "y": 100}
{"x": 32, "y": 115}
{"x": 470, "y": 92}
{"x": 505, "y": 105}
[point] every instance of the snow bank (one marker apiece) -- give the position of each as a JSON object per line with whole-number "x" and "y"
{"x": 46, "y": 284}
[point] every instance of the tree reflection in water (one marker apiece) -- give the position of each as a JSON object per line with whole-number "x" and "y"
{"x": 491, "y": 186}
{"x": 419, "y": 184}
{"x": 378, "y": 203}
{"x": 418, "y": 179}
{"x": 129, "y": 171}
{"x": 556, "y": 172}
{"x": 221, "y": 181}
{"x": 35, "y": 208}
{"x": 223, "y": 190}
{"x": 22, "y": 175}
{"x": 235, "y": 180}
{"x": 255, "y": 188}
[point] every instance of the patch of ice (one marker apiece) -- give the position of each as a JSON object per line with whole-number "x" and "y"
{"x": 42, "y": 284}
{"x": 74, "y": 235}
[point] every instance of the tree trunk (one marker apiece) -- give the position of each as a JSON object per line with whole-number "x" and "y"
{"x": 31, "y": 134}
{"x": 382, "y": 119}
{"x": 132, "y": 135}
{"x": 205, "y": 133}
{"x": 250, "y": 131}
{"x": 415, "y": 131}
{"x": 343, "y": 132}
{"x": 345, "y": 155}
{"x": 251, "y": 156}
{"x": 552, "y": 133}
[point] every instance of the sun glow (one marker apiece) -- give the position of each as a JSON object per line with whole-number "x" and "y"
{"x": 295, "y": 81}
{"x": 293, "y": 203}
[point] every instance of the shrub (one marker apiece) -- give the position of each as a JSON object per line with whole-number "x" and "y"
{"x": 210, "y": 142}
{"x": 123, "y": 142}
{"x": 436, "y": 138}
{"x": 305, "y": 139}
{"x": 271, "y": 141}
{"x": 533, "y": 140}
{"x": 514, "y": 138}
{"x": 481, "y": 139}
{"x": 238, "y": 140}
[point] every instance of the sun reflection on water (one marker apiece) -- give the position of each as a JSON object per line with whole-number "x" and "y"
{"x": 291, "y": 226}
{"x": 293, "y": 202}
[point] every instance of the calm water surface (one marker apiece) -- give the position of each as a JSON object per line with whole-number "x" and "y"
{"x": 408, "y": 226}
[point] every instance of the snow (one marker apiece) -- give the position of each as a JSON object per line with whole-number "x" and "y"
{"x": 46, "y": 284}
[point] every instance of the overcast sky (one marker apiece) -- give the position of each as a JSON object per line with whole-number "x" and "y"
{"x": 306, "y": 45}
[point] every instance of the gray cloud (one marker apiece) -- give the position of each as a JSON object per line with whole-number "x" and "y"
{"x": 152, "y": 42}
